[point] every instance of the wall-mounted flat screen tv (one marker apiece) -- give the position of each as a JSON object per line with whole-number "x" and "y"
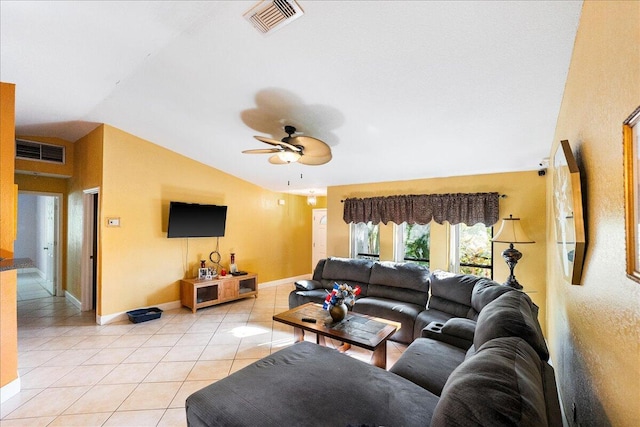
{"x": 196, "y": 220}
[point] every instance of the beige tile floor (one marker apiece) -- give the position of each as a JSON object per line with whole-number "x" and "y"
{"x": 76, "y": 373}
{"x": 31, "y": 286}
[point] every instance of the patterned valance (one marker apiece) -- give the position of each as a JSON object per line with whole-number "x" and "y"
{"x": 468, "y": 208}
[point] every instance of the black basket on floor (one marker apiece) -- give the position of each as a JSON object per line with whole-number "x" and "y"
{"x": 144, "y": 314}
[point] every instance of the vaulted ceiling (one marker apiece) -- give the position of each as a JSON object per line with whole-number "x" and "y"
{"x": 399, "y": 89}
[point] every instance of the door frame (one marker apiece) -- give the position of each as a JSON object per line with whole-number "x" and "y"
{"x": 314, "y": 212}
{"x": 57, "y": 225}
{"x": 86, "y": 266}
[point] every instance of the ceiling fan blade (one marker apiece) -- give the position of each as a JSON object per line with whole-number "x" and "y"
{"x": 315, "y": 160}
{"x": 278, "y": 143}
{"x": 311, "y": 146}
{"x": 262, "y": 151}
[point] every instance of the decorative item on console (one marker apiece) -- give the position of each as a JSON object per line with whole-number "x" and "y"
{"x": 233, "y": 268}
{"x": 206, "y": 273}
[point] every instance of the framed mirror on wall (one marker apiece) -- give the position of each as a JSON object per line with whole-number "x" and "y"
{"x": 568, "y": 213}
{"x": 630, "y": 132}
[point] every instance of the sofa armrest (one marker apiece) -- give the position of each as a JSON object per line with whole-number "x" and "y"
{"x": 460, "y": 335}
{"x": 460, "y": 327}
{"x": 307, "y": 285}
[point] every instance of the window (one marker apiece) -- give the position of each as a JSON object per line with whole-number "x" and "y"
{"x": 471, "y": 249}
{"x": 413, "y": 243}
{"x": 365, "y": 240}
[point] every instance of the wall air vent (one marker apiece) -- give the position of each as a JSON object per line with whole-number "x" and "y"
{"x": 33, "y": 150}
{"x": 269, "y": 15}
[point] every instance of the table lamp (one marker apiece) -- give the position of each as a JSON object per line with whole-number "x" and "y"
{"x": 511, "y": 232}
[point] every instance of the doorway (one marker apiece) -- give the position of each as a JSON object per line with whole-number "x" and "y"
{"x": 319, "y": 237}
{"x": 38, "y": 240}
{"x": 89, "y": 266}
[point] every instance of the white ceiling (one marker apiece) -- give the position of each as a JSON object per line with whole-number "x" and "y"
{"x": 399, "y": 90}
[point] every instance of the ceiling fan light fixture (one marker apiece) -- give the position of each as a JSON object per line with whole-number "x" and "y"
{"x": 289, "y": 156}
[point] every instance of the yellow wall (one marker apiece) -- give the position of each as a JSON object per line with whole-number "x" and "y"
{"x": 48, "y": 168}
{"x": 8, "y": 283}
{"x": 594, "y": 329}
{"x": 87, "y": 174}
{"x": 525, "y": 193}
{"x": 142, "y": 267}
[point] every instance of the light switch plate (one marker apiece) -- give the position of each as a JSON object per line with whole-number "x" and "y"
{"x": 113, "y": 222}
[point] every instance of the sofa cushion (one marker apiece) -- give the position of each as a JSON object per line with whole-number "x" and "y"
{"x": 451, "y": 293}
{"x": 501, "y": 385}
{"x": 428, "y": 363}
{"x": 512, "y": 314}
{"x": 402, "y": 275}
{"x": 485, "y": 291}
{"x": 340, "y": 269}
{"x": 297, "y": 298}
{"x": 317, "y": 272}
{"x": 309, "y": 385}
{"x": 397, "y": 311}
{"x": 406, "y": 282}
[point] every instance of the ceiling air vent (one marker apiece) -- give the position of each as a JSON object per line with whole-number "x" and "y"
{"x": 270, "y": 15}
{"x": 32, "y": 150}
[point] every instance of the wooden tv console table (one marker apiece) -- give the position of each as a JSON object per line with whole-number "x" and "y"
{"x": 197, "y": 294}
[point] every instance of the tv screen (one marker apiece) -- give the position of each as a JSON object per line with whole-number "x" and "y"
{"x": 195, "y": 220}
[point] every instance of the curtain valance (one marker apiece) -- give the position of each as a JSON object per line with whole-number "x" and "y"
{"x": 468, "y": 208}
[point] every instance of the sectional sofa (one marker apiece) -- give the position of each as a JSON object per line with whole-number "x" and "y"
{"x": 403, "y": 292}
{"x": 486, "y": 368}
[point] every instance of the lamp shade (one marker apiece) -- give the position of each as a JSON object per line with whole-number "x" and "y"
{"x": 511, "y": 232}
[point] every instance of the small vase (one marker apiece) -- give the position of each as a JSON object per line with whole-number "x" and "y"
{"x": 338, "y": 312}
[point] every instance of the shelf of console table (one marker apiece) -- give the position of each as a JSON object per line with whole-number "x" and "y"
{"x": 196, "y": 293}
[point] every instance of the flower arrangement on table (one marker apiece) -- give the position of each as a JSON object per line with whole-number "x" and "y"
{"x": 341, "y": 294}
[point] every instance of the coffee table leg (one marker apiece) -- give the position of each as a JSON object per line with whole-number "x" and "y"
{"x": 379, "y": 356}
{"x": 298, "y": 334}
{"x": 320, "y": 340}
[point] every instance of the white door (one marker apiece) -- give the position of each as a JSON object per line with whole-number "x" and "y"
{"x": 50, "y": 242}
{"x": 319, "y": 237}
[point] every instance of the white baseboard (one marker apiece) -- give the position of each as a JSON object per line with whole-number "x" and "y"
{"x": 283, "y": 281}
{"x": 9, "y": 390}
{"x": 117, "y": 317}
{"x": 73, "y": 300}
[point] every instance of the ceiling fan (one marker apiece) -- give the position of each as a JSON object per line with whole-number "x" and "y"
{"x": 302, "y": 149}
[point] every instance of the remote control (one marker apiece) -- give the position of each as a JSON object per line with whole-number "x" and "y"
{"x": 308, "y": 319}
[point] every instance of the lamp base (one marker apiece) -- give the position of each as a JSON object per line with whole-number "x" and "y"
{"x": 511, "y": 257}
{"x": 512, "y": 282}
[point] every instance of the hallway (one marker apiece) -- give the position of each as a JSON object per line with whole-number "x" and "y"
{"x": 31, "y": 285}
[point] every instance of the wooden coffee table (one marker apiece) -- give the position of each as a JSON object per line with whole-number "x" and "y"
{"x": 356, "y": 329}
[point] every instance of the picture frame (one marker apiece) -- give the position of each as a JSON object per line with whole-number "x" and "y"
{"x": 204, "y": 273}
{"x": 631, "y": 153}
{"x": 568, "y": 213}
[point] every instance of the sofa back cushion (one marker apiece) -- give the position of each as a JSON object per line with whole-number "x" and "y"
{"x": 317, "y": 272}
{"x": 512, "y": 314}
{"x": 357, "y": 270}
{"x": 451, "y": 293}
{"x": 485, "y": 291}
{"x": 354, "y": 272}
{"x": 501, "y": 385}
{"x": 406, "y": 282}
